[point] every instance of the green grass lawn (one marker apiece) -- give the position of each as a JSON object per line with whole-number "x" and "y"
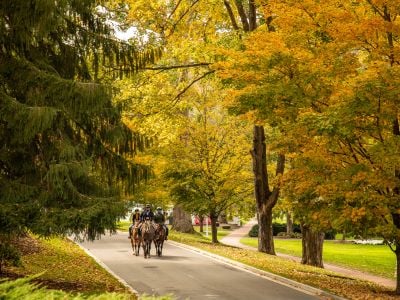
{"x": 375, "y": 259}
{"x": 123, "y": 225}
{"x": 220, "y": 232}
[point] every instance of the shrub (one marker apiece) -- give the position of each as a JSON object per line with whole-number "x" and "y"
{"x": 8, "y": 254}
{"x": 254, "y": 231}
{"x": 294, "y": 235}
{"x": 330, "y": 234}
{"x": 276, "y": 229}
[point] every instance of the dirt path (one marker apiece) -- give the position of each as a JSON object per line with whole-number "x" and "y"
{"x": 233, "y": 239}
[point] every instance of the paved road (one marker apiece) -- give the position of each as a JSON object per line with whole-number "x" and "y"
{"x": 185, "y": 273}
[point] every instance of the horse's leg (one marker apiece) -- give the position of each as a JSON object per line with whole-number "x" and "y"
{"x": 133, "y": 245}
{"x": 136, "y": 248}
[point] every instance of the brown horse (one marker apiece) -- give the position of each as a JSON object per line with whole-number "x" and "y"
{"x": 135, "y": 238}
{"x": 159, "y": 238}
{"x": 147, "y": 237}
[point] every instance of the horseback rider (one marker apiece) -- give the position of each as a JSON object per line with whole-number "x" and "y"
{"x": 147, "y": 214}
{"x": 135, "y": 217}
{"x": 159, "y": 218}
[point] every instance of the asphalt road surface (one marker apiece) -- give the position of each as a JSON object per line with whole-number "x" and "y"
{"x": 185, "y": 273}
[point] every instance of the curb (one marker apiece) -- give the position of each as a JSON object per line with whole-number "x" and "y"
{"x": 123, "y": 282}
{"x": 267, "y": 275}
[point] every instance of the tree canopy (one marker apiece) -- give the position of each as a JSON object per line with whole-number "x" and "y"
{"x": 65, "y": 153}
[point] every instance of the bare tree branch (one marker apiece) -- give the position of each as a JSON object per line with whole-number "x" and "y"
{"x": 177, "y": 66}
{"x": 177, "y": 97}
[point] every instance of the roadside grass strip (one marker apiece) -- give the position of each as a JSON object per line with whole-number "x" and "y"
{"x": 328, "y": 281}
{"x": 25, "y": 288}
{"x": 374, "y": 259}
{"x": 62, "y": 265}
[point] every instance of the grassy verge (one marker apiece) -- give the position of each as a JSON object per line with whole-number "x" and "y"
{"x": 220, "y": 233}
{"x": 65, "y": 266}
{"x": 320, "y": 278}
{"x": 123, "y": 225}
{"x": 374, "y": 259}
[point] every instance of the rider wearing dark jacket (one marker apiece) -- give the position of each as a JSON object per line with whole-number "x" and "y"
{"x": 159, "y": 218}
{"x": 147, "y": 213}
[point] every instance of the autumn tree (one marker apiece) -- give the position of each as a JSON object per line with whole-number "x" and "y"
{"x": 277, "y": 76}
{"x": 163, "y": 97}
{"x": 358, "y": 124}
{"x": 344, "y": 79}
{"x": 208, "y": 171}
{"x": 188, "y": 28}
{"x": 63, "y": 145}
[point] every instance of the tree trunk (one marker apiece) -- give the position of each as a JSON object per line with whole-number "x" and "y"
{"x": 289, "y": 223}
{"x": 265, "y": 234}
{"x": 312, "y": 242}
{"x": 397, "y": 252}
{"x": 265, "y": 198}
{"x": 182, "y": 221}
{"x": 396, "y": 216}
{"x": 214, "y": 220}
{"x": 201, "y": 220}
{"x": 344, "y": 235}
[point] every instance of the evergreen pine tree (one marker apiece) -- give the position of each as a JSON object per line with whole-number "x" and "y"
{"x": 63, "y": 147}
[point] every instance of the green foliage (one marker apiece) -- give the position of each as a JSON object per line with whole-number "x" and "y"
{"x": 65, "y": 153}
{"x": 8, "y": 254}
{"x": 254, "y": 231}
{"x": 276, "y": 229}
{"x": 24, "y": 289}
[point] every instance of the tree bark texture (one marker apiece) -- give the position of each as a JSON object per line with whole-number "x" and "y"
{"x": 214, "y": 220}
{"x": 231, "y": 15}
{"x": 397, "y": 252}
{"x": 242, "y": 15}
{"x": 396, "y": 216}
{"x": 265, "y": 198}
{"x": 182, "y": 220}
{"x": 289, "y": 223}
{"x": 201, "y": 220}
{"x": 265, "y": 234}
{"x": 312, "y": 242}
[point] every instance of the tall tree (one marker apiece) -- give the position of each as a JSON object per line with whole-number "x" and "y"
{"x": 207, "y": 169}
{"x": 266, "y": 198}
{"x": 63, "y": 146}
